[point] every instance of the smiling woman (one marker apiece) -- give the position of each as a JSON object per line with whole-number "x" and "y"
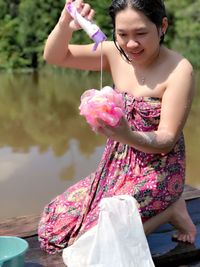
{"x": 145, "y": 152}
{"x": 134, "y": 33}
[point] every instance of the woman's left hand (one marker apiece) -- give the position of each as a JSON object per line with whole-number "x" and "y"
{"x": 121, "y": 132}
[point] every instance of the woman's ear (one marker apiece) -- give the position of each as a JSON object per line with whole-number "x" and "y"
{"x": 164, "y": 25}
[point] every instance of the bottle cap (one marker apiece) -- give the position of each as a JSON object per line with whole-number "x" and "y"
{"x": 98, "y": 37}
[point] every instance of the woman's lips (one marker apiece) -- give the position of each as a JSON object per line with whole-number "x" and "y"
{"x": 135, "y": 54}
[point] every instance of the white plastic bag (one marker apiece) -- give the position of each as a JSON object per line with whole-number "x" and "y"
{"x": 118, "y": 240}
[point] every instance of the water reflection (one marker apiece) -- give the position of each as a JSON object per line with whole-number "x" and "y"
{"x": 45, "y": 145}
{"x": 42, "y": 112}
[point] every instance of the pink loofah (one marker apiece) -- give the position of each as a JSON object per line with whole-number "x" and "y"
{"x": 105, "y": 104}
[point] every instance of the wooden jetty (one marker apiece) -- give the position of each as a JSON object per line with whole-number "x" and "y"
{"x": 165, "y": 252}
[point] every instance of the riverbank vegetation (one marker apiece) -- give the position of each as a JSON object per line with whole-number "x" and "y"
{"x": 25, "y": 25}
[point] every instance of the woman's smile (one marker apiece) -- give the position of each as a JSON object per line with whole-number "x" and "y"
{"x": 135, "y": 53}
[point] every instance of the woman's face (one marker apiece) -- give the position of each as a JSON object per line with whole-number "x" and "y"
{"x": 137, "y": 36}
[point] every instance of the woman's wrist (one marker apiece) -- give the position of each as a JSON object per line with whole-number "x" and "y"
{"x": 64, "y": 20}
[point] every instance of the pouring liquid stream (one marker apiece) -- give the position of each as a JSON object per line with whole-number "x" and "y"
{"x": 101, "y": 71}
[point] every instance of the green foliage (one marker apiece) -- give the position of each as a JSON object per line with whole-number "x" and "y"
{"x": 185, "y": 36}
{"x": 3, "y": 9}
{"x": 25, "y": 25}
{"x": 36, "y": 19}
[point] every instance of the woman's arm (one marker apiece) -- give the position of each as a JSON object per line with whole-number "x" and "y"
{"x": 176, "y": 104}
{"x": 58, "y": 50}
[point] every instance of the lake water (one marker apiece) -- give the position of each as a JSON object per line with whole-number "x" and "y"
{"x": 46, "y": 146}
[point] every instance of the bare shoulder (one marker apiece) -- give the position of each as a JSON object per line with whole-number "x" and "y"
{"x": 109, "y": 45}
{"x": 110, "y": 49}
{"x": 111, "y": 54}
{"x": 181, "y": 75}
{"x": 180, "y": 64}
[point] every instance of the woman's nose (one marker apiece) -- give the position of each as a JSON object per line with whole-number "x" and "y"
{"x": 132, "y": 43}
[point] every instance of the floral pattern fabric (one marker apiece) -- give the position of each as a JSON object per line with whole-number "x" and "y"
{"x": 155, "y": 180}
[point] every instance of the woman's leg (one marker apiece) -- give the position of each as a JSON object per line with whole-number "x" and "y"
{"x": 60, "y": 217}
{"x": 177, "y": 215}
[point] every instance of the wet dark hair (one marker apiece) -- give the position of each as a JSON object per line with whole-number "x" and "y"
{"x": 154, "y": 10}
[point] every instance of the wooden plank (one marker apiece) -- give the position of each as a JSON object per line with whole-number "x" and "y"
{"x": 20, "y": 226}
{"x": 187, "y": 195}
{"x": 189, "y": 188}
{"x": 181, "y": 254}
{"x": 190, "y": 192}
{"x": 35, "y": 257}
{"x": 164, "y": 251}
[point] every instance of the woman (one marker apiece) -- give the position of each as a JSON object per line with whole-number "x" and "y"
{"x": 144, "y": 155}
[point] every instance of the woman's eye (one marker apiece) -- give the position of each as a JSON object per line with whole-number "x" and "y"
{"x": 142, "y": 33}
{"x": 122, "y": 34}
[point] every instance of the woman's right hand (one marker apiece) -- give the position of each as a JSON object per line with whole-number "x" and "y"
{"x": 83, "y": 8}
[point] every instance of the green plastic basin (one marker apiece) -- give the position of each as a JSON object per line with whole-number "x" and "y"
{"x": 12, "y": 251}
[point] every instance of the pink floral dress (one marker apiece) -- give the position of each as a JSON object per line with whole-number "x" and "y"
{"x": 155, "y": 180}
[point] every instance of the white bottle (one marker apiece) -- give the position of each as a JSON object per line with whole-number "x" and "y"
{"x": 90, "y": 28}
